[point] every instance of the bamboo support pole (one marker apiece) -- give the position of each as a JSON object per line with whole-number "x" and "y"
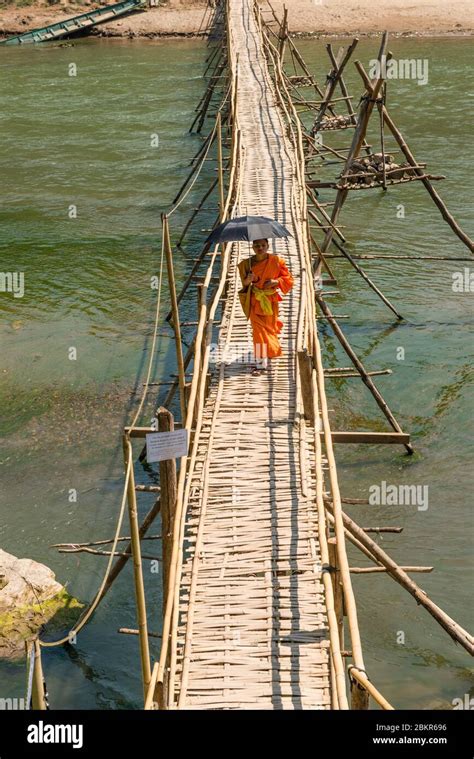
{"x": 168, "y": 496}
{"x": 361, "y": 369}
{"x": 189, "y": 279}
{"x": 206, "y": 146}
{"x": 383, "y": 529}
{"x": 365, "y": 111}
{"x": 367, "y": 279}
{"x": 195, "y": 213}
{"x": 380, "y": 105}
{"x": 334, "y": 76}
{"x": 303, "y": 65}
{"x": 347, "y": 97}
{"x": 345, "y": 375}
{"x": 321, "y": 262}
{"x": 175, "y": 313}
{"x": 137, "y": 567}
{"x": 283, "y": 33}
{"x": 304, "y": 369}
{"x": 457, "y": 633}
{"x": 121, "y": 562}
{"x": 342, "y": 559}
{"x": 377, "y": 570}
{"x": 150, "y": 697}
{"x": 203, "y": 111}
{"x": 220, "y": 167}
{"x": 338, "y": 591}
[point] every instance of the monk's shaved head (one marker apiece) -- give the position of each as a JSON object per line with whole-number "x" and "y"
{"x": 260, "y": 245}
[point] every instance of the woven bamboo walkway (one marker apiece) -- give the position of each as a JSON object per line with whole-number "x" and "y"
{"x": 253, "y": 625}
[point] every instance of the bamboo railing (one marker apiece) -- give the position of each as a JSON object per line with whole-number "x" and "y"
{"x": 161, "y": 687}
{"x": 311, "y": 345}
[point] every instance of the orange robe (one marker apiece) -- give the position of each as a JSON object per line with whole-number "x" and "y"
{"x": 266, "y": 328}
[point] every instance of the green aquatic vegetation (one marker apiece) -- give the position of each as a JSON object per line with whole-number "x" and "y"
{"x": 24, "y": 621}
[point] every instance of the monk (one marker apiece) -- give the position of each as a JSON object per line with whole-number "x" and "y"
{"x": 268, "y": 273}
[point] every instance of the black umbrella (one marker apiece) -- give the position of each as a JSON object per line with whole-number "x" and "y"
{"x": 247, "y": 228}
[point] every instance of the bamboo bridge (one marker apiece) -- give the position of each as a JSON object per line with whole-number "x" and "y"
{"x": 258, "y": 606}
{"x": 253, "y": 621}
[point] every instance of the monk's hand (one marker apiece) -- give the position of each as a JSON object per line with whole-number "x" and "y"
{"x": 270, "y": 283}
{"x": 249, "y": 279}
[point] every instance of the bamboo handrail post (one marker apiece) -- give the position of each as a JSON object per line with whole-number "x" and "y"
{"x": 338, "y": 592}
{"x": 38, "y": 689}
{"x": 175, "y": 313}
{"x": 220, "y": 168}
{"x": 305, "y": 366}
{"x": 137, "y": 566}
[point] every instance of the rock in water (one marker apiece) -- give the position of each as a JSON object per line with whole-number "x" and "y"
{"x": 30, "y": 597}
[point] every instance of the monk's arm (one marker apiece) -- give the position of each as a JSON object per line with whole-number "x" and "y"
{"x": 285, "y": 279}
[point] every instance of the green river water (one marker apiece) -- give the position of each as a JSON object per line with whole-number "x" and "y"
{"x": 86, "y": 141}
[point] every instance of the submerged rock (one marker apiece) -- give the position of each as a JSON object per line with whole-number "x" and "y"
{"x": 30, "y": 597}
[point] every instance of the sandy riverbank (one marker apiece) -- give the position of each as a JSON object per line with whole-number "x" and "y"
{"x": 332, "y": 17}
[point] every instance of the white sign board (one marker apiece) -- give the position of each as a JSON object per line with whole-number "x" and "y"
{"x": 161, "y": 446}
